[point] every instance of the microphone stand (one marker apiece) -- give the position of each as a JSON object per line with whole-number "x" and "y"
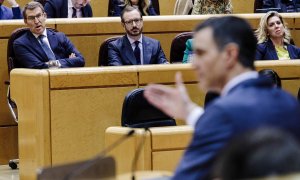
{"x": 138, "y": 152}
{"x": 90, "y": 162}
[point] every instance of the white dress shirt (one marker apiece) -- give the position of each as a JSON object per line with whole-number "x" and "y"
{"x": 70, "y": 10}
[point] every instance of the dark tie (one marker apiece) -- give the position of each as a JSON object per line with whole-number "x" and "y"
{"x": 46, "y": 48}
{"x": 74, "y": 15}
{"x": 137, "y": 52}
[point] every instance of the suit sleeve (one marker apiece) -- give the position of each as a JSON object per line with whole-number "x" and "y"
{"x": 212, "y": 132}
{"x": 77, "y": 61}
{"x": 268, "y": 4}
{"x": 161, "y": 58}
{"x": 259, "y": 54}
{"x": 50, "y": 9}
{"x": 26, "y": 58}
{"x": 151, "y": 10}
{"x": 16, "y": 13}
{"x": 114, "y": 57}
{"x": 117, "y": 8}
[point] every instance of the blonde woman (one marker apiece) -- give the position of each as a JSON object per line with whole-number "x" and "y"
{"x": 212, "y": 7}
{"x": 274, "y": 39}
{"x": 145, "y": 6}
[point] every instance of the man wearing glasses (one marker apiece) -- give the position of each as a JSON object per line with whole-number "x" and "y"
{"x": 134, "y": 48}
{"x": 42, "y": 48}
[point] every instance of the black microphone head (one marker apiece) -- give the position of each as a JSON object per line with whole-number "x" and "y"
{"x": 131, "y": 132}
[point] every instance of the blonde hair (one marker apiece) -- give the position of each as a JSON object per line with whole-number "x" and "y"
{"x": 262, "y": 31}
{"x": 143, "y": 5}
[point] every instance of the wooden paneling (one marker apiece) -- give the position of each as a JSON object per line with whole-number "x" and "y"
{"x": 166, "y": 160}
{"x": 8, "y": 144}
{"x": 242, "y": 6}
{"x": 81, "y": 116}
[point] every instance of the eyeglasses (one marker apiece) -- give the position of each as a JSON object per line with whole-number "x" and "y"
{"x": 38, "y": 16}
{"x": 136, "y": 21}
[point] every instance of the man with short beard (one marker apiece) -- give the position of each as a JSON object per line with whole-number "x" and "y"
{"x": 10, "y": 13}
{"x": 134, "y": 48}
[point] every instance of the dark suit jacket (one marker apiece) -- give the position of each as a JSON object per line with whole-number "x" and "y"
{"x": 267, "y": 51}
{"x": 29, "y": 53}
{"x": 120, "y": 52}
{"x": 283, "y": 5}
{"x": 119, "y": 6}
{"x": 10, "y": 13}
{"x": 251, "y": 104}
{"x": 59, "y": 9}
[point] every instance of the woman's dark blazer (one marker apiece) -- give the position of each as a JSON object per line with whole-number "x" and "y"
{"x": 267, "y": 51}
{"x": 119, "y": 6}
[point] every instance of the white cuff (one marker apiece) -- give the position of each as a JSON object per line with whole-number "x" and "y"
{"x": 193, "y": 117}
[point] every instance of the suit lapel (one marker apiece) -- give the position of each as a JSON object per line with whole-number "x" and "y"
{"x": 127, "y": 49}
{"x": 52, "y": 40}
{"x": 147, "y": 50}
{"x": 38, "y": 47}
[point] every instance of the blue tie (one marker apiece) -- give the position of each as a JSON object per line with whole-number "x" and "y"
{"x": 46, "y": 48}
{"x": 137, "y": 52}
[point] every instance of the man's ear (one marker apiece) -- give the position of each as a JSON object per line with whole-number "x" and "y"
{"x": 231, "y": 52}
{"x": 123, "y": 25}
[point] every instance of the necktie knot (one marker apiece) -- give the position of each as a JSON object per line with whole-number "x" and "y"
{"x": 41, "y": 38}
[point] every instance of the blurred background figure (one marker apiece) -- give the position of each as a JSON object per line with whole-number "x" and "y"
{"x": 183, "y": 7}
{"x": 212, "y": 7}
{"x": 278, "y": 5}
{"x": 272, "y": 75}
{"x": 68, "y": 8}
{"x": 188, "y": 52}
{"x": 259, "y": 153}
{"x": 10, "y": 13}
{"x": 145, "y": 6}
{"x": 274, "y": 39}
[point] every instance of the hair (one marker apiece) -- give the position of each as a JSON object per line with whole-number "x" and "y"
{"x": 142, "y": 4}
{"x": 262, "y": 31}
{"x": 272, "y": 76}
{"x": 129, "y": 9}
{"x": 259, "y": 153}
{"x": 230, "y": 29}
{"x": 31, "y": 6}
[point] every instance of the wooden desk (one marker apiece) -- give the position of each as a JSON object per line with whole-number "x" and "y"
{"x": 162, "y": 149}
{"x": 63, "y": 113}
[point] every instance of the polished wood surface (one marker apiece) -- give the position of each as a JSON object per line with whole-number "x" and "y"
{"x": 8, "y": 143}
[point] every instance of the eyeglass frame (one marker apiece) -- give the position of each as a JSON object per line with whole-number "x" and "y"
{"x": 38, "y": 16}
{"x": 136, "y": 21}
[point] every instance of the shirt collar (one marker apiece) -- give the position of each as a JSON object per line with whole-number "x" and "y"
{"x": 132, "y": 40}
{"x": 44, "y": 33}
{"x": 238, "y": 79}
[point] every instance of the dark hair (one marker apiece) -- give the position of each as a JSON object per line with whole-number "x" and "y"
{"x": 272, "y": 75}
{"x": 259, "y": 153}
{"x": 231, "y": 29}
{"x": 31, "y": 6}
{"x": 129, "y": 9}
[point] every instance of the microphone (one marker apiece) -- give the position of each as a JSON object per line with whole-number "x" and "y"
{"x": 80, "y": 169}
{"x": 138, "y": 152}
